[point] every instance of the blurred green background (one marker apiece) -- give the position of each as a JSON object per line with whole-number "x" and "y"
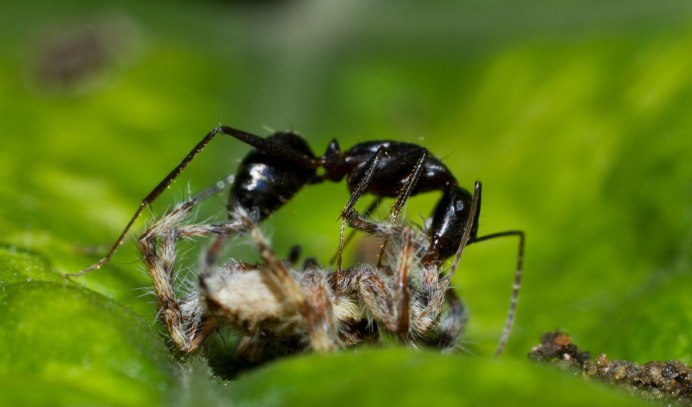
{"x": 576, "y": 115}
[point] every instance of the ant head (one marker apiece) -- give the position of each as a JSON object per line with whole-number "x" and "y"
{"x": 449, "y": 221}
{"x": 333, "y": 162}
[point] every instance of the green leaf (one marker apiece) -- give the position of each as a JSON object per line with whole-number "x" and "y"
{"x": 575, "y": 115}
{"x": 404, "y": 377}
{"x": 65, "y": 345}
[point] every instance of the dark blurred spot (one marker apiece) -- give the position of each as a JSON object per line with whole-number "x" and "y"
{"x": 76, "y": 55}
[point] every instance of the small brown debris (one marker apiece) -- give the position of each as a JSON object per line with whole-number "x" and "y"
{"x": 669, "y": 380}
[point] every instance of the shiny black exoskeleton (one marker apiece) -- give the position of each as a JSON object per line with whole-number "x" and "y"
{"x": 281, "y": 164}
{"x": 267, "y": 179}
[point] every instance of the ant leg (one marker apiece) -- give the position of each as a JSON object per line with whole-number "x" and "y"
{"x": 511, "y": 312}
{"x": 255, "y": 141}
{"x": 410, "y": 184}
{"x": 403, "y": 197}
{"x": 368, "y": 211}
{"x": 314, "y": 310}
{"x": 474, "y": 212}
{"x": 441, "y": 286}
{"x": 516, "y": 286}
{"x": 358, "y": 221}
{"x": 362, "y": 186}
{"x": 212, "y": 252}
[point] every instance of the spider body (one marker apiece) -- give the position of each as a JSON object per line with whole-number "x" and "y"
{"x": 273, "y": 305}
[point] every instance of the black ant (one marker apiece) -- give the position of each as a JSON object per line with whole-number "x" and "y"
{"x": 281, "y": 164}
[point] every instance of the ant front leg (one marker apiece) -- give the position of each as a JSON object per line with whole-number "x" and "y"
{"x": 405, "y": 194}
{"x": 279, "y": 151}
{"x": 415, "y": 159}
{"x": 470, "y": 212}
{"x": 516, "y": 286}
{"x": 368, "y": 211}
{"x": 348, "y": 212}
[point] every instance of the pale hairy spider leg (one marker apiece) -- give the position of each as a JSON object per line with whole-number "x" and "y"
{"x": 319, "y": 338}
{"x": 187, "y": 332}
{"x": 250, "y": 139}
{"x": 401, "y": 289}
{"x": 321, "y": 317}
{"x": 377, "y": 297}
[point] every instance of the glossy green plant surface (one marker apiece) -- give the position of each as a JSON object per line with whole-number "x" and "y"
{"x": 575, "y": 115}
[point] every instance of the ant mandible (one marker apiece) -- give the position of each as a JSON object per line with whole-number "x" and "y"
{"x": 281, "y": 164}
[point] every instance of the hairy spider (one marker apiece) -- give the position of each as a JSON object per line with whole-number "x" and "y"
{"x": 278, "y": 309}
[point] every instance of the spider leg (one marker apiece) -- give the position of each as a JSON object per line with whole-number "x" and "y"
{"x": 184, "y": 319}
{"x": 375, "y": 293}
{"x": 401, "y": 290}
{"x": 453, "y": 323}
{"x": 314, "y": 307}
{"x": 389, "y": 300}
